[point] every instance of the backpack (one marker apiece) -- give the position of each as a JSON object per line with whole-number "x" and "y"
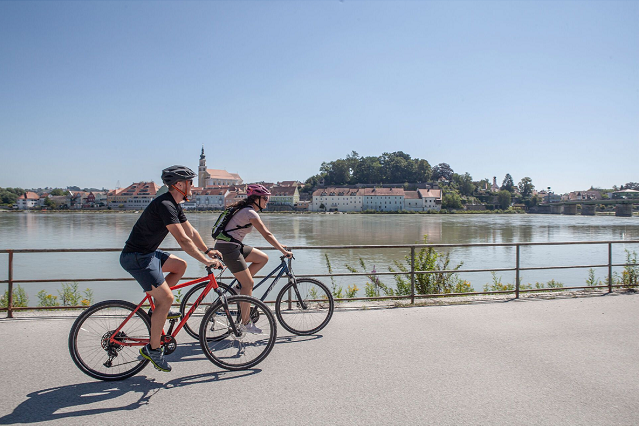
{"x": 219, "y": 233}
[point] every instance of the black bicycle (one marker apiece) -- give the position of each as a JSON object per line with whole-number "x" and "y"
{"x": 304, "y": 306}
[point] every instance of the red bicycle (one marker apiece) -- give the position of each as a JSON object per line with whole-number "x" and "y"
{"x": 104, "y": 340}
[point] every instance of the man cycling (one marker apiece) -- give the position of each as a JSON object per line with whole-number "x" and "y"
{"x": 142, "y": 259}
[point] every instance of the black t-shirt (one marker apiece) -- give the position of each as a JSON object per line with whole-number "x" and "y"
{"x": 150, "y": 229}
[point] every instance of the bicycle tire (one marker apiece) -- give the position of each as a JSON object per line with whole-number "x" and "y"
{"x": 192, "y": 326}
{"x": 88, "y": 340}
{"x": 320, "y": 306}
{"x": 231, "y": 352}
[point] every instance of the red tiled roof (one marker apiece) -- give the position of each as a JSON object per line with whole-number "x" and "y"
{"x": 384, "y": 191}
{"x": 429, "y": 193}
{"x": 222, "y": 174}
{"x": 30, "y": 196}
{"x": 283, "y": 191}
{"x": 140, "y": 189}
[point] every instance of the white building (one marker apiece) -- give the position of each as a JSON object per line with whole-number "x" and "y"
{"x": 383, "y": 199}
{"x": 213, "y": 177}
{"x": 431, "y": 198}
{"x": 337, "y": 199}
{"x": 210, "y": 198}
{"x": 28, "y": 200}
{"x": 138, "y": 195}
{"x": 284, "y": 196}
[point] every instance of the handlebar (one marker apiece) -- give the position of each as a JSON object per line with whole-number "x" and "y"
{"x": 210, "y": 268}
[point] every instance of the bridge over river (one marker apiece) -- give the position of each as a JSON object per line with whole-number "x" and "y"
{"x": 623, "y": 207}
{"x": 537, "y": 360}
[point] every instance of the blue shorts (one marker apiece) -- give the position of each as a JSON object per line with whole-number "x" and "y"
{"x": 145, "y": 268}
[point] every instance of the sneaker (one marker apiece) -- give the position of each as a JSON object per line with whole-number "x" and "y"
{"x": 156, "y": 356}
{"x": 174, "y": 315}
{"x": 250, "y": 328}
{"x": 171, "y": 315}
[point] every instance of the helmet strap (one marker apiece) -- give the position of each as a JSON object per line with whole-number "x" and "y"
{"x": 256, "y": 203}
{"x": 181, "y": 192}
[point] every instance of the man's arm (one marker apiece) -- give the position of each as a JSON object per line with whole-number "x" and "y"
{"x": 177, "y": 230}
{"x": 192, "y": 233}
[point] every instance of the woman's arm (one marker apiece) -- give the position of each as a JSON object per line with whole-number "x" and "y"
{"x": 268, "y": 236}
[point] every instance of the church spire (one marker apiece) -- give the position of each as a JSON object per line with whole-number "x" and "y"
{"x": 201, "y": 172}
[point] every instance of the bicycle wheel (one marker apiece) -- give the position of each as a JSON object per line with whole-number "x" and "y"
{"x": 309, "y": 308}
{"x": 89, "y": 344}
{"x": 232, "y": 352}
{"x": 192, "y": 326}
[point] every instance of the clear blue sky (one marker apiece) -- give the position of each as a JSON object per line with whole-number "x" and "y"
{"x": 96, "y": 93}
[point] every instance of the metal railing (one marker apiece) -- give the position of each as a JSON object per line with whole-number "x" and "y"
{"x": 517, "y": 268}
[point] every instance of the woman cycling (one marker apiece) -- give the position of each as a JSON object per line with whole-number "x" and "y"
{"x": 236, "y": 254}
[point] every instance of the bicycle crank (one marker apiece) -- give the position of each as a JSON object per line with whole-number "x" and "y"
{"x": 170, "y": 344}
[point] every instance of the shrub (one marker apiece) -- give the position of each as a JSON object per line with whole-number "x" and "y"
{"x": 375, "y": 286}
{"x": 46, "y": 299}
{"x": 428, "y": 259}
{"x": 20, "y": 298}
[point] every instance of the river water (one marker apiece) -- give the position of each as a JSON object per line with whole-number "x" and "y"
{"x": 110, "y": 230}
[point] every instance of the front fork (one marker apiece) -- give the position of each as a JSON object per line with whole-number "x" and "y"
{"x": 300, "y": 299}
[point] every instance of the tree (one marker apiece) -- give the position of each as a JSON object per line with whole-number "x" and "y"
{"x": 397, "y": 167}
{"x": 504, "y": 198}
{"x": 484, "y": 183}
{"x": 58, "y": 191}
{"x": 423, "y": 171}
{"x": 632, "y": 185}
{"x": 49, "y": 203}
{"x": 7, "y": 198}
{"x": 526, "y": 187}
{"x": 464, "y": 183}
{"x": 442, "y": 170}
{"x": 451, "y": 200}
{"x": 533, "y": 201}
{"x": 336, "y": 172}
{"x": 368, "y": 170}
{"x": 508, "y": 183}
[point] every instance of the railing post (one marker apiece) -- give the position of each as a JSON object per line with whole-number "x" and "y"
{"x": 517, "y": 272}
{"x": 609, "y": 267}
{"x": 10, "y": 299}
{"x": 412, "y": 275}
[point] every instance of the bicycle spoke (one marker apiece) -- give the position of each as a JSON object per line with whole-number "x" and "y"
{"x": 308, "y": 309}
{"x": 231, "y": 351}
{"x": 91, "y": 346}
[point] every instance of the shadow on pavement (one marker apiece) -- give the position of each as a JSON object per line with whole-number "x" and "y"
{"x": 74, "y": 400}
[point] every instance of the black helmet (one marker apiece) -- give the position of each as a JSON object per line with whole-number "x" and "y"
{"x": 174, "y": 174}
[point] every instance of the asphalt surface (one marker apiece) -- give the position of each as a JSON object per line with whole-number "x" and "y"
{"x": 563, "y": 361}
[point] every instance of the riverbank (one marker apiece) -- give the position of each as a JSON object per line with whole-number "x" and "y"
{"x": 366, "y": 212}
{"x": 435, "y": 300}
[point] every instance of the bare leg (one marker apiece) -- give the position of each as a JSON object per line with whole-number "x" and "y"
{"x": 176, "y": 268}
{"x": 257, "y": 259}
{"x": 246, "y": 280}
{"x": 163, "y": 299}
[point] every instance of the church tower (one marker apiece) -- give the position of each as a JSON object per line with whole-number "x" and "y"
{"x": 201, "y": 171}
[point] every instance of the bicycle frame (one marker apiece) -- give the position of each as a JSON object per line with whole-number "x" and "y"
{"x": 283, "y": 268}
{"x": 166, "y": 338}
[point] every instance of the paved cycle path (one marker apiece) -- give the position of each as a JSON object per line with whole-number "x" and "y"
{"x": 565, "y": 361}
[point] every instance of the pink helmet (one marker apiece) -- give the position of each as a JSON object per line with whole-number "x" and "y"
{"x": 257, "y": 189}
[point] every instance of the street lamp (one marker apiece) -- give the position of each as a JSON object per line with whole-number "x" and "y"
{"x": 548, "y": 195}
